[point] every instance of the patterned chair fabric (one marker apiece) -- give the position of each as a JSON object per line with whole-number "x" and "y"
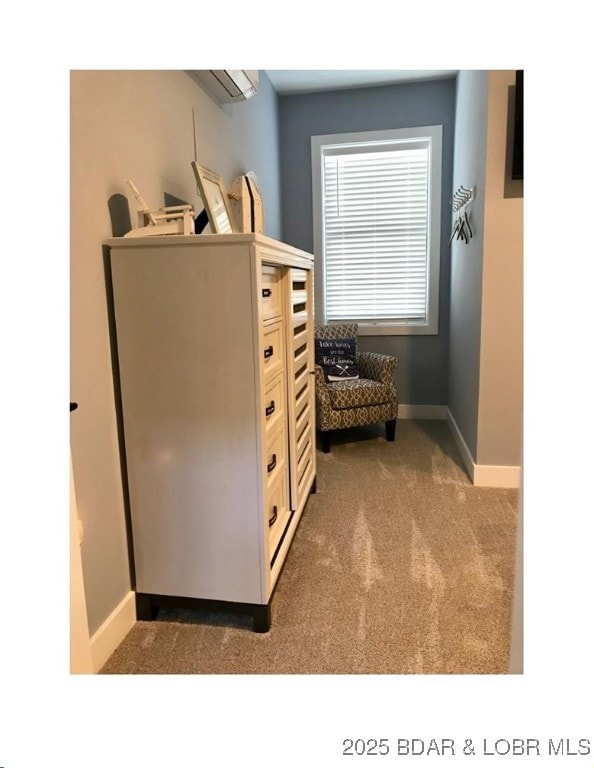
{"x": 370, "y": 399}
{"x": 357, "y": 393}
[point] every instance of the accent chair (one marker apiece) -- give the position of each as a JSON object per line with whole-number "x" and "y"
{"x": 369, "y": 399}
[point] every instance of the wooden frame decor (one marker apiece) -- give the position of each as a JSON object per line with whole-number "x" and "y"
{"x": 214, "y": 197}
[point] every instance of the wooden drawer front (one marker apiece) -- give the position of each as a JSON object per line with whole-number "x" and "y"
{"x": 274, "y": 406}
{"x": 278, "y": 513}
{"x": 305, "y": 444}
{"x": 305, "y": 475}
{"x": 304, "y": 450}
{"x": 299, "y": 297}
{"x": 302, "y": 396}
{"x": 272, "y": 350}
{"x": 301, "y": 404}
{"x": 299, "y": 337}
{"x": 271, "y": 292}
{"x": 303, "y": 422}
{"x": 275, "y": 458}
{"x": 299, "y": 332}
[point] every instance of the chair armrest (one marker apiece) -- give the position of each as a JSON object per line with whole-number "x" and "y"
{"x": 377, "y": 367}
{"x": 172, "y": 208}
{"x": 322, "y": 394}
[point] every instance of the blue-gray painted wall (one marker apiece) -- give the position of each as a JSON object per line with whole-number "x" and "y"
{"x": 466, "y": 284}
{"x": 422, "y": 377}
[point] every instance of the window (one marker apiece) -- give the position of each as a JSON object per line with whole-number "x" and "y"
{"x": 377, "y": 207}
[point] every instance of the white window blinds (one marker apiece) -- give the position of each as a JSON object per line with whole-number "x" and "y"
{"x": 376, "y": 232}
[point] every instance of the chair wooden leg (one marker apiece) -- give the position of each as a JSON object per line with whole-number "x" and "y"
{"x": 390, "y": 430}
{"x": 325, "y": 441}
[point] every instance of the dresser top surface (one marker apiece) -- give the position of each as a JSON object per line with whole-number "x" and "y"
{"x": 216, "y": 240}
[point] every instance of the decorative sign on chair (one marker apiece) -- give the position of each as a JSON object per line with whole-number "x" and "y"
{"x": 337, "y": 358}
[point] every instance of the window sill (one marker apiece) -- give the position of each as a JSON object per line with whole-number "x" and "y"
{"x": 396, "y": 329}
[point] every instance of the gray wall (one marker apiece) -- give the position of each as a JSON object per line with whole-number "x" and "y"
{"x": 422, "y": 377}
{"x": 137, "y": 125}
{"x": 470, "y": 147}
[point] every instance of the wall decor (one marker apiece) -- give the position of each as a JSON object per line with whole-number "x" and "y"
{"x": 461, "y": 228}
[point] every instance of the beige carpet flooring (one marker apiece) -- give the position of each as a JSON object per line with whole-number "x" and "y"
{"x": 400, "y": 565}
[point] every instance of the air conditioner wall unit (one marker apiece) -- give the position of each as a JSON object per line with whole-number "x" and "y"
{"x": 227, "y": 85}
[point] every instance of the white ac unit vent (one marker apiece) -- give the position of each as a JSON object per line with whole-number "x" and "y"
{"x": 227, "y": 85}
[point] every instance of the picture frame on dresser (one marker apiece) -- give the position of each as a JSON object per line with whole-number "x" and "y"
{"x": 214, "y": 197}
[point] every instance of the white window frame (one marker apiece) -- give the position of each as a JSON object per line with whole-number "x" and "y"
{"x": 432, "y": 133}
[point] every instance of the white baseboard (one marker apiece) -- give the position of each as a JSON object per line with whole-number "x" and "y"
{"x": 492, "y": 476}
{"x": 113, "y": 630}
{"x": 406, "y": 411}
{"x": 485, "y": 475}
{"x": 461, "y": 443}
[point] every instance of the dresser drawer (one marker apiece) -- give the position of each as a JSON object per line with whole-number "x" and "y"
{"x": 272, "y": 350}
{"x": 271, "y": 292}
{"x": 275, "y": 457}
{"x": 274, "y": 406}
{"x": 278, "y": 513}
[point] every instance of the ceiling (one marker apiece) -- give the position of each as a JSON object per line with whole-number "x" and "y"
{"x": 287, "y": 81}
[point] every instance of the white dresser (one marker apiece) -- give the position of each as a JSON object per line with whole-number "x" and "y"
{"x": 214, "y": 337}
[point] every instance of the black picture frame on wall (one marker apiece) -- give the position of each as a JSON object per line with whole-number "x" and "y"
{"x": 518, "y": 146}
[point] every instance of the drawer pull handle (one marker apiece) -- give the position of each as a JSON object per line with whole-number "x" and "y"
{"x": 272, "y": 520}
{"x": 272, "y": 464}
{"x": 270, "y": 409}
{"x": 266, "y": 292}
{"x": 268, "y": 352}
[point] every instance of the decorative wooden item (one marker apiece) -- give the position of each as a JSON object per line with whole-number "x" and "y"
{"x": 171, "y": 220}
{"x": 246, "y": 204}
